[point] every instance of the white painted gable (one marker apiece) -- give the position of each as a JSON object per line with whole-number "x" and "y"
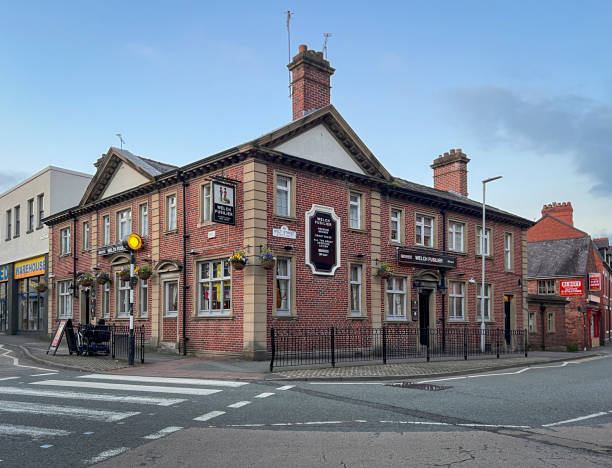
{"x": 123, "y": 179}
{"x": 318, "y": 145}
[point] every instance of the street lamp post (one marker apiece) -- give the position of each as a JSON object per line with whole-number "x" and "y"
{"x": 482, "y": 254}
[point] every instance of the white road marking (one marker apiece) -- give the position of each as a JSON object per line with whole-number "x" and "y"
{"x": 106, "y": 454}
{"x": 264, "y": 395}
{"x": 163, "y": 432}
{"x": 348, "y": 383}
{"x": 207, "y": 416}
{"x": 46, "y": 446}
{"x": 167, "y": 380}
{"x": 9, "y": 378}
{"x": 425, "y": 423}
{"x": 88, "y": 433}
{"x": 493, "y": 425}
{"x": 307, "y": 423}
{"x": 239, "y": 404}
{"x": 69, "y": 411}
{"x": 582, "y": 418}
{"x": 46, "y": 373}
{"x": 137, "y": 400}
{"x": 286, "y": 387}
{"x": 126, "y": 387}
{"x": 30, "y": 431}
{"x": 6, "y": 353}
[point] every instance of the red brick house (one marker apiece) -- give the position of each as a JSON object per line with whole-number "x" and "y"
{"x": 565, "y": 263}
{"x": 315, "y": 196}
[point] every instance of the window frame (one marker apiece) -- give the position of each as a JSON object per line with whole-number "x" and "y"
{"x": 423, "y": 226}
{"x": 119, "y": 222}
{"x": 64, "y": 299}
{"x": 143, "y": 220}
{"x": 544, "y": 287}
{"x": 211, "y": 281}
{"x": 65, "y": 247}
{"x": 488, "y": 243}
{"x": 143, "y": 306}
{"x": 40, "y": 201}
{"x": 30, "y": 215}
{"x": 360, "y": 205}
{"x": 550, "y": 322}
{"x": 401, "y": 292}
{"x": 452, "y": 296}
{"x": 165, "y": 286}
{"x": 106, "y": 300}
{"x": 290, "y": 190}
{"x": 86, "y": 235}
{"x": 508, "y": 251}
{"x": 532, "y": 325}
{"x": 122, "y": 287}
{"x": 288, "y": 278}
{"x": 106, "y": 230}
{"x": 356, "y": 313}
{"x": 206, "y": 204}
{"x": 168, "y": 226}
{"x": 488, "y": 303}
{"x": 451, "y": 235}
{"x": 9, "y": 224}
{"x": 17, "y": 222}
{"x": 400, "y": 227}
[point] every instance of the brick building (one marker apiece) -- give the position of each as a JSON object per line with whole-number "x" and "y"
{"x": 314, "y": 195}
{"x": 564, "y": 263}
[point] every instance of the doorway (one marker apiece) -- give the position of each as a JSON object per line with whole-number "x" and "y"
{"x": 85, "y": 307}
{"x": 424, "y": 317}
{"x": 507, "y": 318}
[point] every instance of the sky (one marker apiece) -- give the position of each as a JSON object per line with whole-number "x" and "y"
{"x": 524, "y": 88}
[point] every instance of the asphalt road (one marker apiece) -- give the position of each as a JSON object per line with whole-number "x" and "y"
{"x": 555, "y": 415}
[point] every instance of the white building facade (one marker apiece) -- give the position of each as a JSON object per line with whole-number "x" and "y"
{"x": 24, "y": 244}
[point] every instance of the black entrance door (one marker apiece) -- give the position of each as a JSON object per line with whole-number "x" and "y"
{"x": 86, "y": 293}
{"x": 424, "y": 317}
{"x": 507, "y": 300}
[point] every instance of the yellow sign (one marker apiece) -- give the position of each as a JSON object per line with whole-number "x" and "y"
{"x": 134, "y": 242}
{"x": 33, "y": 267}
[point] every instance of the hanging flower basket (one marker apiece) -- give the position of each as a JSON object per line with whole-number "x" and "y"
{"x": 85, "y": 279}
{"x": 143, "y": 272}
{"x": 41, "y": 286}
{"x": 103, "y": 277}
{"x": 384, "y": 271}
{"x": 238, "y": 260}
{"x": 124, "y": 274}
{"x": 267, "y": 258}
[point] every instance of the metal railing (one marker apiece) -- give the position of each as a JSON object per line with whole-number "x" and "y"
{"x": 293, "y": 346}
{"x": 120, "y": 342}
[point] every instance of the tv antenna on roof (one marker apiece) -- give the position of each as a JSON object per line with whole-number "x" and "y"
{"x": 289, "y": 46}
{"x": 120, "y": 139}
{"x": 326, "y": 36}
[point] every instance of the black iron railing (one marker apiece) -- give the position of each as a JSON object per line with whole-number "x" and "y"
{"x": 293, "y": 346}
{"x": 110, "y": 339}
{"x": 120, "y": 342}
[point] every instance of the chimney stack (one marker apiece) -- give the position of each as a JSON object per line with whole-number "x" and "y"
{"x": 563, "y": 211}
{"x": 310, "y": 83}
{"x": 450, "y": 172}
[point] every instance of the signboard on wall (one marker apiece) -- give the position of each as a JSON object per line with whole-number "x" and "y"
{"x": 322, "y": 240}
{"x": 430, "y": 259}
{"x": 594, "y": 281}
{"x": 31, "y": 267}
{"x": 4, "y": 272}
{"x": 571, "y": 287}
{"x": 224, "y": 202}
{"x": 111, "y": 249}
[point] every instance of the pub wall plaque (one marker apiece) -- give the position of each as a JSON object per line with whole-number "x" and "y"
{"x": 322, "y": 240}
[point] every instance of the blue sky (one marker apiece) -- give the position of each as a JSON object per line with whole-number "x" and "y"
{"x": 524, "y": 88}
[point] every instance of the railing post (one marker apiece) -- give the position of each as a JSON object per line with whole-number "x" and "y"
{"x": 465, "y": 347}
{"x": 142, "y": 340}
{"x": 273, "y": 346}
{"x": 113, "y": 340}
{"x": 525, "y": 340}
{"x": 333, "y": 347}
{"x": 384, "y": 344}
{"x": 427, "y": 342}
{"x": 497, "y": 342}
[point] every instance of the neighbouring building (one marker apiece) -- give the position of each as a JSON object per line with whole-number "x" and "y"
{"x": 569, "y": 283}
{"x": 314, "y": 196}
{"x": 24, "y": 244}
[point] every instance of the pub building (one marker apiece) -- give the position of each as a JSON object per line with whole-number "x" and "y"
{"x": 301, "y": 227}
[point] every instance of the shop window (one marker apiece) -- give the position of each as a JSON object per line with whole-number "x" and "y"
{"x": 356, "y": 290}
{"x": 143, "y": 297}
{"x": 487, "y": 241}
{"x": 424, "y": 231}
{"x": 456, "y": 296}
{"x": 30, "y": 304}
{"x": 124, "y": 224}
{"x": 487, "y": 302}
{"x": 123, "y": 298}
{"x": 170, "y": 298}
{"x": 396, "y": 298}
{"x": 214, "y": 288}
{"x": 3, "y": 307}
{"x": 546, "y": 287}
{"x": 65, "y": 241}
{"x": 64, "y": 299}
{"x": 456, "y": 236}
{"x": 143, "y": 220}
{"x": 283, "y": 286}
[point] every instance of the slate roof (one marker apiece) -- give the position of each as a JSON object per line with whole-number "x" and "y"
{"x": 154, "y": 168}
{"x": 559, "y": 257}
{"x": 601, "y": 242}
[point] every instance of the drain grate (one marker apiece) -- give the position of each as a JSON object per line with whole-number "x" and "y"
{"x": 416, "y": 386}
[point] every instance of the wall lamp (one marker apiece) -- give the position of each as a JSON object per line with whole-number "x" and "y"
{"x": 288, "y": 247}
{"x": 419, "y": 286}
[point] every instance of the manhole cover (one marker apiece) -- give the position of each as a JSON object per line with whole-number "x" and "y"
{"x": 416, "y": 386}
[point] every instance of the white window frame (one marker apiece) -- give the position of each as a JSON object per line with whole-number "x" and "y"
{"x": 456, "y": 298}
{"x": 143, "y": 305}
{"x": 356, "y": 286}
{"x": 124, "y": 224}
{"x": 106, "y": 230}
{"x": 355, "y": 210}
{"x": 487, "y": 243}
{"x": 550, "y": 322}
{"x": 9, "y": 224}
{"x": 65, "y": 241}
{"x": 209, "y": 283}
{"x": 283, "y": 278}
{"x": 167, "y": 312}
{"x": 420, "y": 226}
{"x": 283, "y": 191}
{"x": 106, "y": 298}
{"x": 396, "y": 218}
{"x": 30, "y": 215}
{"x": 546, "y": 287}
{"x": 508, "y": 241}
{"x": 64, "y": 299}
{"x": 86, "y": 236}
{"x": 456, "y": 228}
{"x": 487, "y": 299}
{"x": 143, "y": 219}
{"x": 531, "y": 321}
{"x": 392, "y": 294}
{"x": 171, "y": 213}
{"x": 41, "y": 209}
{"x": 123, "y": 299}
{"x": 206, "y": 200}
{"x": 17, "y": 212}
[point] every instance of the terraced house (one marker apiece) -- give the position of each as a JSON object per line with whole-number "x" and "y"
{"x": 329, "y": 236}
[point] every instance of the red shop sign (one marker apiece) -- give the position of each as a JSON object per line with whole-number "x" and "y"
{"x": 594, "y": 281}
{"x": 571, "y": 287}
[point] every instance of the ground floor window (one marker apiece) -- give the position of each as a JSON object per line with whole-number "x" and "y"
{"x": 106, "y": 300}
{"x": 123, "y": 298}
{"x": 487, "y": 302}
{"x": 396, "y": 298}
{"x": 283, "y": 286}
{"x": 214, "y": 288}
{"x": 355, "y": 282}
{"x": 550, "y": 322}
{"x": 3, "y": 307}
{"x": 170, "y": 298}
{"x": 532, "y": 322}
{"x": 143, "y": 297}
{"x": 64, "y": 299}
{"x": 457, "y": 300}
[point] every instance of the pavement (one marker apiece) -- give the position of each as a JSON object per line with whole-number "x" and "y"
{"x": 166, "y": 364}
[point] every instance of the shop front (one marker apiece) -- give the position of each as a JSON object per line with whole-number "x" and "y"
{"x": 4, "y": 270}
{"x": 31, "y": 285}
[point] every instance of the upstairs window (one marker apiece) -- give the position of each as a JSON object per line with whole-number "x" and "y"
{"x": 171, "y": 212}
{"x": 106, "y": 229}
{"x": 17, "y": 221}
{"x": 206, "y": 203}
{"x": 41, "y": 210}
{"x": 9, "y": 224}
{"x": 508, "y": 251}
{"x": 455, "y": 236}
{"x": 86, "y": 241}
{"x": 396, "y": 225}
{"x": 30, "y": 215}
{"x": 283, "y": 195}
{"x": 143, "y": 221}
{"x": 487, "y": 241}
{"x": 65, "y": 241}
{"x": 546, "y": 287}
{"x": 355, "y": 221}
{"x": 124, "y": 224}
{"x": 424, "y": 231}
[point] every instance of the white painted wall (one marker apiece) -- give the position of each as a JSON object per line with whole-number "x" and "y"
{"x": 318, "y": 145}
{"x": 124, "y": 178}
{"x": 61, "y": 189}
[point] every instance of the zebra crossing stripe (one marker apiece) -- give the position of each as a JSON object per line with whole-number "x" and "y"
{"x": 163, "y": 432}
{"x": 264, "y": 395}
{"x": 30, "y": 431}
{"x": 105, "y": 455}
{"x": 138, "y": 400}
{"x": 128, "y": 387}
{"x": 165, "y": 380}
{"x": 68, "y": 411}
{"x": 207, "y": 416}
{"x": 239, "y": 404}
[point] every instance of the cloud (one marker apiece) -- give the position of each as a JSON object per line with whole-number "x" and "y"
{"x": 9, "y": 179}
{"x": 568, "y": 125}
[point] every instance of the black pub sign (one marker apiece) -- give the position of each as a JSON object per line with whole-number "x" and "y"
{"x": 224, "y": 203}
{"x": 430, "y": 259}
{"x": 323, "y": 244}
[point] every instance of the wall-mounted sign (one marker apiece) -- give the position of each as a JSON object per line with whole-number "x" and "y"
{"x": 111, "y": 249}
{"x": 430, "y": 259}
{"x": 284, "y": 232}
{"x": 322, "y": 240}
{"x": 4, "y": 271}
{"x": 571, "y": 287}
{"x": 224, "y": 201}
{"x": 594, "y": 281}
{"x": 31, "y": 267}
{"x": 593, "y": 298}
